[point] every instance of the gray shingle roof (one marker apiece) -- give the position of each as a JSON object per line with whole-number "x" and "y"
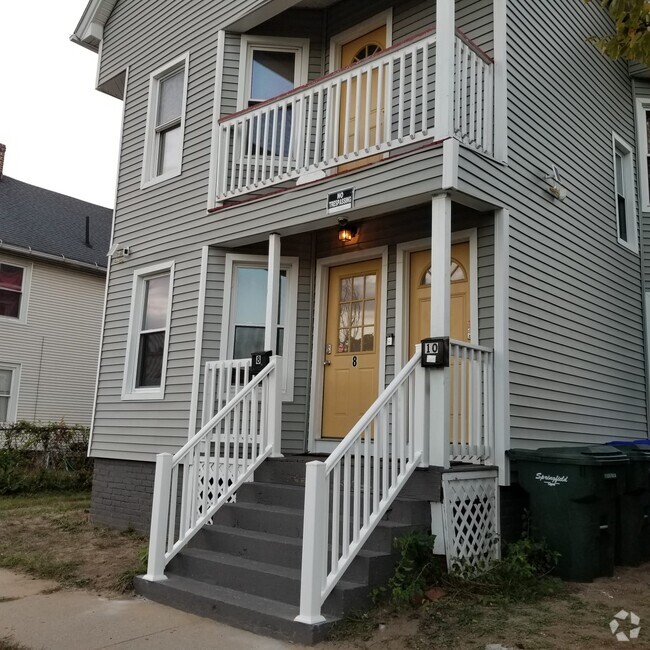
{"x": 53, "y": 223}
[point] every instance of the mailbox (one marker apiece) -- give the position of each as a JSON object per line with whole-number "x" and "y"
{"x": 259, "y": 361}
{"x": 435, "y": 353}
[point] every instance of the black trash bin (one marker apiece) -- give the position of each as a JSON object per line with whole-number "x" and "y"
{"x": 633, "y": 531}
{"x": 573, "y": 504}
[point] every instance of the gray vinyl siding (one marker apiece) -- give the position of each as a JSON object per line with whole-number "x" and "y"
{"x": 58, "y": 345}
{"x": 577, "y": 371}
{"x": 642, "y": 91}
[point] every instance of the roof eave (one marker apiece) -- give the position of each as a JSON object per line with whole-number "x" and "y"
{"x": 49, "y": 257}
{"x": 90, "y": 29}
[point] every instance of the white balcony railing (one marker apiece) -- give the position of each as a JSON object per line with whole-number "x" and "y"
{"x": 363, "y": 111}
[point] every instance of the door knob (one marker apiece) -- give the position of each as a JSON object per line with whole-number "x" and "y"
{"x": 327, "y": 363}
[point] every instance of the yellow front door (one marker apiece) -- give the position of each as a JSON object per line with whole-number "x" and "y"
{"x": 420, "y": 295}
{"x": 352, "y": 131}
{"x": 460, "y": 305}
{"x": 351, "y": 371}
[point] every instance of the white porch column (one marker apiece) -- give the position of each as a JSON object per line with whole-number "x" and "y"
{"x": 272, "y": 294}
{"x": 444, "y": 86}
{"x": 440, "y": 324}
{"x": 502, "y": 343}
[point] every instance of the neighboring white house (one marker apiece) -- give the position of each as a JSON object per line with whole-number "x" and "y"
{"x": 52, "y": 277}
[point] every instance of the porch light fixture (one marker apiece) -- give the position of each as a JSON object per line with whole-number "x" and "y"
{"x": 347, "y": 232}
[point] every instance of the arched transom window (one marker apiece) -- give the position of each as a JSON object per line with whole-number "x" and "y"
{"x": 457, "y": 273}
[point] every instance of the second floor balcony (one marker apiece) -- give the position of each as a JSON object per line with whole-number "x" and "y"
{"x": 383, "y": 104}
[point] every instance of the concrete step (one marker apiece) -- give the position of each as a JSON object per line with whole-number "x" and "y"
{"x": 239, "y": 609}
{"x": 368, "y": 567}
{"x": 262, "y": 579}
{"x": 293, "y": 496}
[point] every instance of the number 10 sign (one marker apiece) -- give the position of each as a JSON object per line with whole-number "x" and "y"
{"x": 435, "y": 353}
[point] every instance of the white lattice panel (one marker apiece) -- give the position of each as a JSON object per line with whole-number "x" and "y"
{"x": 224, "y": 479}
{"x": 470, "y": 510}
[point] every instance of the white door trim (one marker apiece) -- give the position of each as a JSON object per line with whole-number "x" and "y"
{"x": 323, "y": 265}
{"x": 369, "y": 25}
{"x": 403, "y": 288}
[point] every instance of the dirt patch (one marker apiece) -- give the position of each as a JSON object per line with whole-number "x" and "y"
{"x": 50, "y": 536}
{"x": 578, "y": 617}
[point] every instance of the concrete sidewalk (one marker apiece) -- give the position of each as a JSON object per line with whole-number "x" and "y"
{"x": 41, "y": 619}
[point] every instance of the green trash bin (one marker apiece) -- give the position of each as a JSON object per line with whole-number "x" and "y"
{"x": 633, "y": 531}
{"x": 573, "y": 504}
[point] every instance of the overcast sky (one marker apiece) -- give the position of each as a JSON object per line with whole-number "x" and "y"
{"x": 60, "y": 132}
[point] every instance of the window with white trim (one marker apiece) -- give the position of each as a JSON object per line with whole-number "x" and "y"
{"x": 9, "y": 379}
{"x": 148, "y": 339}
{"x": 163, "y": 150}
{"x": 13, "y": 291}
{"x": 270, "y": 66}
{"x": 624, "y": 194}
{"x": 245, "y": 311}
{"x": 643, "y": 148}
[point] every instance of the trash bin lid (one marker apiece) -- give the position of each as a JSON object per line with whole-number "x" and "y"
{"x": 591, "y": 455}
{"x": 633, "y": 449}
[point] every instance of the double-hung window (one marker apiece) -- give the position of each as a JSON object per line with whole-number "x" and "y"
{"x": 165, "y": 122}
{"x": 624, "y": 194}
{"x": 13, "y": 284}
{"x": 9, "y": 378}
{"x": 245, "y": 311}
{"x": 148, "y": 338}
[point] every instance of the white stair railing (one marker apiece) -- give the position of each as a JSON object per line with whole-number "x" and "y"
{"x": 347, "y": 495}
{"x": 472, "y": 403}
{"x": 230, "y": 446}
{"x": 473, "y": 96}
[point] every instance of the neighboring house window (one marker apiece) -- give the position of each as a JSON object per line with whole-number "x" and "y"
{"x": 13, "y": 291}
{"x": 148, "y": 338}
{"x": 245, "y": 311}
{"x": 9, "y": 378}
{"x": 624, "y": 194}
{"x": 163, "y": 151}
{"x": 643, "y": 137}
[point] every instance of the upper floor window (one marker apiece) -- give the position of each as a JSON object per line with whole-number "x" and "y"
{"x": 163, "y": 151}
{"x": 148, "y": 338}
{"x": 643, "y": 137}
{"x": 624, "y": 194}
{"x": 13, "y": 291}
{"x": 270, "y": 66}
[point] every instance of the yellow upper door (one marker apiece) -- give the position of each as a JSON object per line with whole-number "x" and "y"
{"x": 352, "y": 131}
{"x": 351, "y": 372}
{"x": 420, "y": 295}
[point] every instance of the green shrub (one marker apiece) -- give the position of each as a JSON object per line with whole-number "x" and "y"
{"x": 38, "y": 457}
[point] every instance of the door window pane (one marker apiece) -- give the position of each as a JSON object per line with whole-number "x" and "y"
{"x": 249, "y": 310}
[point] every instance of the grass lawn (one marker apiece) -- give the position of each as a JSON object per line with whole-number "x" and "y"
{"x": 50, "y": 536}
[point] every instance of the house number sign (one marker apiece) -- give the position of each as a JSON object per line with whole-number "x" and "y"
{"x": 355, "y": 361}
{"x": 435, "y": 353}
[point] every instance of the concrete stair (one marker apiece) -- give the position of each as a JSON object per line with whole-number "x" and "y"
{"x": 244, "y": 568}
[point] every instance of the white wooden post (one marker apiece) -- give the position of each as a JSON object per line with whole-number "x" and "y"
{"x": 444, "y": 85}
{"x": 159, "y": 515}
{"x": 272, "y": 294}
{"x": 501, "y": 393}
{"x": 274, "y": 415}
{"x": 439, "y": 411}
{"x": 314, "y": 544}
{"x": 420, "y": 412}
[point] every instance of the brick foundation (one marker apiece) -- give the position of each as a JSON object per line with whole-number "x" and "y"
{"x": 122, "y": 494}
